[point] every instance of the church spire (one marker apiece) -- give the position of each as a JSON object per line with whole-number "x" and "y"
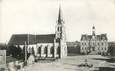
{"x": 93, "y": 30}
{"x": 60, "y": 35}
{"x": 60, "y": 25}
{"x": 60, "y": 20}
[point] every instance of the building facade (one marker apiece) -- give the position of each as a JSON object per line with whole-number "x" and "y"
{"x": 111, "y": 49}
{"x": 44, "y": 46}
{"x": 94, "y": 44}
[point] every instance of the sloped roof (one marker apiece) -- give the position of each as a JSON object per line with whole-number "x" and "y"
{"x": 86, "y": 37}
{"x": 45, "y": 38}
{"x": 98, "y": 37}
{"x": 20, "y": 39}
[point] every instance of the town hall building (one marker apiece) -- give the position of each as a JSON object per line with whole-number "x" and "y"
{"x": 46, "y": 45}
{"x": 94, "y": 44}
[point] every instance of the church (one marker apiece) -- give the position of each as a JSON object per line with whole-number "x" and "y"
{"x": 46, "y": 45}
{"x": 94, "y": 44}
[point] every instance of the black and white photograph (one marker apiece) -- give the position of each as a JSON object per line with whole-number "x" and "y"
{"x": 57, "y": 35}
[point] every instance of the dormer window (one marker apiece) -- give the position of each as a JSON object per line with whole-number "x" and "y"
{"x": 102, "y": 44}
{"x": 103, "y": 38}
{"x": 98, "y": 43}
{"x": 83, "y": 38}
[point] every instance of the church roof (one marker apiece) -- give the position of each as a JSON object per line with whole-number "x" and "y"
{"x": 20, "y": 39}
{"x": 45, "y": 38}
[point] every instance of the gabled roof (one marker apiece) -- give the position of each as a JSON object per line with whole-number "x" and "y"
{"x": 83, "y": 37}
{"x": 20, "y": 39}
{"x": 104, "y": 36}
{"x": 86, "y": 37}
{"x": 89, "y": 37}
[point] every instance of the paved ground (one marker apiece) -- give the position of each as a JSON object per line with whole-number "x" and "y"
{"x": 69, "y": 63}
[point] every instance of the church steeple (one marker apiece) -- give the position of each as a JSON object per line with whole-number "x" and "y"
{"x": 60, "y": 25}
{"x": 60, "y": 35}
{"x": 60, "y": 20}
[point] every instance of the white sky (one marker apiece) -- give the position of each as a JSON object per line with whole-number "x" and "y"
{"x": 39, "y": 17}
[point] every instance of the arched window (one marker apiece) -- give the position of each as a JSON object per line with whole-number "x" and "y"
{"x": 102, "y": 48}
{"x": 98, "y": 48}
{"x": 58, "y": 28}
{"x": 102, "y": 44}
{"x": 45, "y": 50}
{"x": 51, "y": 50}
{"x": 58, "y": 50}
{"x": 39, "y": 49}
{"x": 98, "y": 44}
{"x": 105, "y": 49}
{"x": 33, "y": 52}
{"x": 82, "y": 43}
{"x": 30, "y": 51}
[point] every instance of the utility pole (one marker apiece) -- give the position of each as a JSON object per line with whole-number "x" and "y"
{"x": 25, "y": 62}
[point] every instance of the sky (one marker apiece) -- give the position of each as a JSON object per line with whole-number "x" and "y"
{"x": 40, "y": 16}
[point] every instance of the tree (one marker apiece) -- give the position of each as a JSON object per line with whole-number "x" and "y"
{"x": 15, "y": 51}
{"x": 19, "y": 52}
